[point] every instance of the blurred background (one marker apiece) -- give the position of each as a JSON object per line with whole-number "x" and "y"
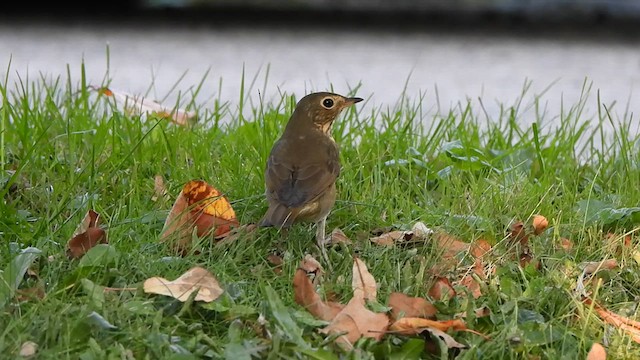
{"x": 539, "y": 56}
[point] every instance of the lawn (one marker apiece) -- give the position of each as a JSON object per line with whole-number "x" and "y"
{"x": 67, "y": 149}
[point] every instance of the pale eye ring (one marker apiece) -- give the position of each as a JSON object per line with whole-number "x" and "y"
{"x": 327, "y": 103}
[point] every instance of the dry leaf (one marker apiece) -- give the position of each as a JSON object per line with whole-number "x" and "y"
{"x": 419, "y": 232}
{"x": 392, "y": 237}
{"x": 159, "y": 188}
{"x": 137, "y": 105}
{"x": 363, "y": 284}
{"x": 196, "y": 279}
{"x": 540, "y": 223}
{"x": 310, "y": 265}
{"x": 357, "y": 321}
{"x": 448, "y": 340}
{"x": 470, "y": 282}
{"x": 517, "y": 234}
{"x": 305, "y": 295}
{"x": 566, "y": 244}
{"x": 451, "y": 245}
{"x": 338, "y": 237}
{"x": 247, "y": 230}
{"x": 408, "y": 306}
{"x": 28, "y": 349}
{"x": 415, "y": 325}
{"x": 201, "y": 207}
{"x": 86, "y": 236}
{"x": 480, "y": 248}
{"x": 590, "y": 267}
{"x": 442, "y": 289}
{"x": 631, "y": 327}
{"x": 597, "y": 352}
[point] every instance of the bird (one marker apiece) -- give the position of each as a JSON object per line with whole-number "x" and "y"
{"x": 304, "y": 164}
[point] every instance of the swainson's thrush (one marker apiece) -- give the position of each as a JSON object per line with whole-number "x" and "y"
{"x": 303, "y": 165}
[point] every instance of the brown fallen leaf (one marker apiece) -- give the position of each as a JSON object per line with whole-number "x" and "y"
{"x": 566, "y": 244}
{"x": 591, "y": 267}
{"x": 597, "y": 352}
{"x": 631, "y": 327}
{"x": 403, "y": 305}
{"x": 363, "y": 284}
{"x": 195, "y": 279}
{"x": 305, "y": 293}
{"x": 518, "y": 234}
{"x": 415, "y": 325}
{"x": 470, "y": 282}
{"x": 338, "y": 237}
{"x": 199, "y": 207}
{"x": 419, "y": 232}
{"x": 540, "y": 224}
{"x": 33, "y": 293}
{"x": 442, "y": 289}
{"x": 159, "y": 189}
{"x": 357, "y": 321}
{"x": 450, "y": 245}
{"x": 246, "y": 230}
{"x": 138, "y": 105}
{"x": 87, "y": 235}
{"x": 479, "y": 248}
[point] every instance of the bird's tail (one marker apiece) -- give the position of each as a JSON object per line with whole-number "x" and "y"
{"x": 278, "y": 216}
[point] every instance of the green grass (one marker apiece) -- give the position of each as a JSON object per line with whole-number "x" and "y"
{"x": 67, "y": 151}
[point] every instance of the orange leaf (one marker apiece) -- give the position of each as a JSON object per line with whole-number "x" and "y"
{"x": 540, "y": 223}
{"x": 566, "y": 244}
{"x": 592, "y": 266}
{"x": 451, "y": 245}
{"x": 414, "y": 325}
{"x": 407, "y": 306}
{"x": 86, "y": 236}
{"x": 631, "y": 327}
{"x": 305, "y": 295}
{"x": 471, "y": 283}
{"x": 338, "y": 237}
{"x": 201, "y": 207}
{"x": 479, "y": 248}
{"x": 442, "y": 289}
{"x": 597, "y": 352}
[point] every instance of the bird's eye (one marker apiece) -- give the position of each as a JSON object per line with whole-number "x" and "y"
{"x": 327, "y": 103}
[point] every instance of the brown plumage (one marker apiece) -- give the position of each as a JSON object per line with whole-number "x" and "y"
{"x": 303, "y": 165}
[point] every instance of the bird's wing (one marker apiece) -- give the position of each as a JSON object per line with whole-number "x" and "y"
{"x": 294, "y": 185}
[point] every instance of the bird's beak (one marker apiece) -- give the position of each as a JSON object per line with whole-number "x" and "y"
{"x": 351, "y": 101}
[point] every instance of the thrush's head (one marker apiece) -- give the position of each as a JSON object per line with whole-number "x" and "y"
{"x": 319, "y": 110}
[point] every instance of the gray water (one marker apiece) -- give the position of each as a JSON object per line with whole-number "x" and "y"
{"x": 460, "y": 67}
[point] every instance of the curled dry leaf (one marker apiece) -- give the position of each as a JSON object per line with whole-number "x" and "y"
{"x": 87, "y": 235}
{"x": 195, "y": 279}
{"x": 138, "y": 105}
{"x": 408, "y": 306}
{"x": 540, "y": 224}
{"x": 310, "y": 264}
{"x": 306, "y": 296}
{"x": 597, "y": 352}
{"x": 202, "y": 207}
{"x": 518, "y": 234}
{"x": 419, "y": 232}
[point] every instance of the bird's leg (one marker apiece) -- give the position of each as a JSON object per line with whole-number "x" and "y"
{"x": 320, "y": 231}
